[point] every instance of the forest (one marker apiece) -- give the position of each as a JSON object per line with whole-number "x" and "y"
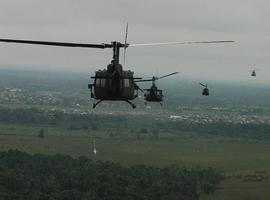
{"x": 60, "y": 177}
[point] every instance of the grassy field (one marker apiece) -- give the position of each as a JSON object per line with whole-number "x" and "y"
{"x": 235, "y": 157}
{"x": 239, "y": 190}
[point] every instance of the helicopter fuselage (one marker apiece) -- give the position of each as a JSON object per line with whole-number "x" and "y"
{"x": 153, "y": 94}
{"x": 114, "y": 83}
{"x": 205, "y": 92}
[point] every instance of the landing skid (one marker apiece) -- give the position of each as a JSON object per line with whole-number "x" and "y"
{"x": 129, "y": 102}
{"x": 95, "y": 104}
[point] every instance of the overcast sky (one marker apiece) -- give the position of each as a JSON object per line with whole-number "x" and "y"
{"x": 102, "y": 21}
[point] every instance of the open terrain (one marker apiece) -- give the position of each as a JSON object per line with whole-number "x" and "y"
{"x": 238, "y": 159}
{"x": 230, "y": 133}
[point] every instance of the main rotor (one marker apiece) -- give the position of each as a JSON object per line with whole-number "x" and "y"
{"x": 115, "y": 45}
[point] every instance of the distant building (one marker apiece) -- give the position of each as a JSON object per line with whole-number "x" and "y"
{"x": 175, "y": 117}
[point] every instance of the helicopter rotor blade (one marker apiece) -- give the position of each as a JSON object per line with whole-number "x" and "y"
{"x": 137, "y": 87}
{"x": 126, "y": 45}
{"x": 110, "y": 77}
{"x": 61, "y": 44}
{"x": 100, "y": 46}
{"x": 173, "y": 43}
{"x": 144, "y": 80}
{"x": 203, "y": 85}
{"x": 154, "y": 78}
{"x": 167, "y": 75}
{"x": 141, "y": 89}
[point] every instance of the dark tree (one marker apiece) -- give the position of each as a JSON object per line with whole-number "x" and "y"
{"x": 24, "y": 176}
{"x": 143, "y": 130}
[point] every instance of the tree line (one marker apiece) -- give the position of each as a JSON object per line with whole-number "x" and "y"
{"x": 77, "y": 121}
{"x": 25, "y": 176}
{"x": 246, "y": 131}
{"x": 38, "y": 116}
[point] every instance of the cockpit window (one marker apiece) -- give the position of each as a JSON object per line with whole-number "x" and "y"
{"x": 126, "y": 82}
{"x": 101, "y": 82}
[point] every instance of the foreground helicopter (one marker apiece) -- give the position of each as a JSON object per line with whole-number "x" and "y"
{"x": 205, "y": 91}
{"x": 113, "y": 83}
{"x": 154, "y": 94}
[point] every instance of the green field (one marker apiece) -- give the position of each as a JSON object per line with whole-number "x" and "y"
{"x": 233, "y": 156}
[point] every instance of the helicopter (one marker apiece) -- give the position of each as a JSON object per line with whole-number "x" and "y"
{"x": 205, "y": 91}
{"x": 253, "y": 73}
{"x": 154, "y": 94}
{"x": 113, "y": 83}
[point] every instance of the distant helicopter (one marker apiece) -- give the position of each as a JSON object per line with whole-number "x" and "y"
{"x": 253, "y": 73}
{"x": 205, "y": 91}
{"x": 154, "y": 94}
{"x": 113, "y": 83}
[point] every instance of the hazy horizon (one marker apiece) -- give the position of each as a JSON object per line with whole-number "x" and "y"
{"x": 244, "y": 79}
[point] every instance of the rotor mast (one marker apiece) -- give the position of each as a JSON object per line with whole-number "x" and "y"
{"x": 116, "y": 51}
